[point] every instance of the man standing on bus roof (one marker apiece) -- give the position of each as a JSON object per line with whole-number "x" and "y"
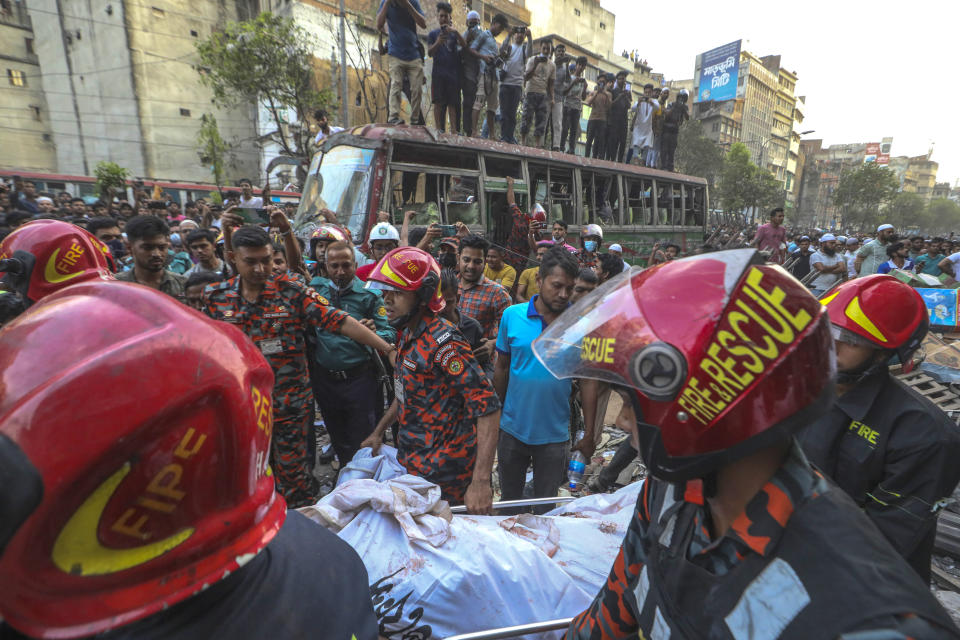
{"x": 403, "y": 17}
{"x": 617, "y": 120}
{"x": 772, "y": 236}
{"x": 540, "y": 76}
{"x": 488, "y": 86}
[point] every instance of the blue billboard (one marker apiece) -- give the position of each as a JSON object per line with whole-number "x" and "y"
{"x": 719, "y": 69}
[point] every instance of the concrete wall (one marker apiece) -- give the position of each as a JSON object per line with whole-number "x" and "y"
{"x": 25, "y": 134}
{"x": 171, "y": 99}
{"x": 592, "y": 29}
{"x": 88, "y": 83}
{"x": 120, "y": 83}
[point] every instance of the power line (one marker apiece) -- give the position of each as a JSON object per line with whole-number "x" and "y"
{"x": 124, "y": 67}
{"x": 146, "y": 142}
{"x": 95, "y": 117}
{"x": 102, "y": 97}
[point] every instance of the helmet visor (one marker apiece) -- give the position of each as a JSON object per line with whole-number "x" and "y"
{"x": 597, "y": 337}
{"x": 376, "y": 285}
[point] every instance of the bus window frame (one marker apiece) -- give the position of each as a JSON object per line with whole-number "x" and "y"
{"x": 432, "y": 170}
{"x": 574, "y": 190}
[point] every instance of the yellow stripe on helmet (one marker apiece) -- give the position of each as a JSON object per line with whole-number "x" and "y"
{"x": 388, "y": 272}
{"x": 855, "y": 313}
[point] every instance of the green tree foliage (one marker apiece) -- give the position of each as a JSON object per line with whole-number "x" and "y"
{"x": 698, "y": 155}
{"x": 265, "y": 60}
{"x": 769, "y": 191}
{"x": 862, "y": 192}
{"x": 111, "y": 180}
{"x": 743, "y": 184}
{"x": 943, "y": 215}
{"x": 212, "y": 148}
{"x": 737, "y": 179}
{"x": 906, "y": 211}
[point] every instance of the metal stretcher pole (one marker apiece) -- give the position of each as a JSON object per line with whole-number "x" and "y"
{"x": 513, "y": 632}
{"x": 532, "y": 502}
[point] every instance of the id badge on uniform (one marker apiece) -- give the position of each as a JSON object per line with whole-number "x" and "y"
{"x": 270, "y": 347}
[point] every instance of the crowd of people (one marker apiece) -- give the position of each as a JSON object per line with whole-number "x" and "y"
{"x": 474, "y": 360}
{"x": 478, "y": 85}
{"x": 313, "y": 308}
{"x": 822, "y": 259}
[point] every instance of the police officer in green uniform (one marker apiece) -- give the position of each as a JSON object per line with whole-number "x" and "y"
{"x": 344, "y": 374}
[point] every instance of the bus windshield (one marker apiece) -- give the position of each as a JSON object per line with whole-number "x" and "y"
{"x": 344, "y": 188}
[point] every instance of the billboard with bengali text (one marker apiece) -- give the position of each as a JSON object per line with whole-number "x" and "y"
{"x": 719, "y": 69}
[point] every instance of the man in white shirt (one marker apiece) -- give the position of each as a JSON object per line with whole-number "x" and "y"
{"x": 515, "y": 53}
{"x": 850, "y": 255}
{"x": 829, "y": 263}
{"x": 247, "y": 199}
{"x": 323, "y": 126}
{"x": 642, "y": 143}
{"x": 874, "y": 253}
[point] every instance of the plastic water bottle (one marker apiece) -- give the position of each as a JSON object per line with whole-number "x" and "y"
{"x": 575, "y": 470}
{"x": 577, "y": 464}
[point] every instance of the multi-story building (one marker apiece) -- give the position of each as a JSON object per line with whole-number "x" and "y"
{"x": 583, "y": 22}
{"x": 25, "y": 118}
{"x": 923, "y": 171}
{"x": 795, "y": 157}
{"x": 823, "y": 169}
{"x": 121, "y": 85}
{"x": 781, "y": 133}
{"x": 722, "y": 121}
{"x": 763, "y": 116}
{"x": 516, "y": 13}
{"x": 760, "y": 86}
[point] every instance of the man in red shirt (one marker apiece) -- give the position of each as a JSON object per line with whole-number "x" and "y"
{"x": 772, "y": 237}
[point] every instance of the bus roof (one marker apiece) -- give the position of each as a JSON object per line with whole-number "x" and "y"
{"x": 429, "y": 135}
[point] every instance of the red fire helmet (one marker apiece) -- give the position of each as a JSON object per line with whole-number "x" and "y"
{"x": 139, "y": 485}
{"x": 881, "y": 311}
{"x": 726, "y": 354}
{"x": 48, "y": 255}
{"x": 409, "y": 269}
{"x": 538, "y": 213}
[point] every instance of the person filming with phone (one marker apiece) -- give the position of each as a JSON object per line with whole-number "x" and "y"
{"x": 540, "y": 76}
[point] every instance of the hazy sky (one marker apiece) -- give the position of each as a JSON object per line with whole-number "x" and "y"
{"x": 867, "y": 69}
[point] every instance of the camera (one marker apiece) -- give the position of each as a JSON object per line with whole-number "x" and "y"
{"x": 519, "y": 29}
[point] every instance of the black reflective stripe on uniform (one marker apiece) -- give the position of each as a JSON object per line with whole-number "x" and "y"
{"x": 831, "y": 572}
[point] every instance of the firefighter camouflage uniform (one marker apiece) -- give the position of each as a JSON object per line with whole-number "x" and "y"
{"x": 276, "y": 324}
{"x": 441, "y": 392}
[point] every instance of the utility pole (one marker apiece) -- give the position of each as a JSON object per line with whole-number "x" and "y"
{"x": 344, "y": 90}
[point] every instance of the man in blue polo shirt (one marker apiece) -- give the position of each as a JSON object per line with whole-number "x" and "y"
{"x": 536, "y": 409}
{"x": 402, "y": 17}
